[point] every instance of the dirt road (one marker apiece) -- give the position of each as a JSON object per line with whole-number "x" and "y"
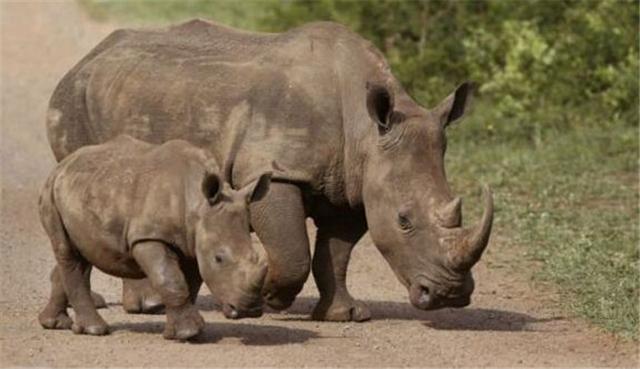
{"x": 510, "y": 323}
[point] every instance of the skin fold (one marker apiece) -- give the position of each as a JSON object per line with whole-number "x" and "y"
{"x": 357, "y": 153}
{"x": 136, "y": 210}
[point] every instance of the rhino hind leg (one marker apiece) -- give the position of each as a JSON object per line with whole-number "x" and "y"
{"x": 54, "y": 315}
{"x": 139, "y": 297}
{"x": 336, "y": 238}
{"x": 98, "y": 301}
{"x": 70, "y": 274}
{"x": 164, "y": 271}
{"x": 87, "y": 320}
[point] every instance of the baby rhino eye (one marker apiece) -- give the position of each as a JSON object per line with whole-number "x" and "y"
{"x": 404, "y": 222}
{"x": 219, "y": 258}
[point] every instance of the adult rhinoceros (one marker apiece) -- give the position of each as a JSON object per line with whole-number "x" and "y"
{"x": 356, "y": 152}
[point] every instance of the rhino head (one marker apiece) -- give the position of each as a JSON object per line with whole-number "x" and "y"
{"x": 413, "y": 218}
{"x": 229, "y": 264}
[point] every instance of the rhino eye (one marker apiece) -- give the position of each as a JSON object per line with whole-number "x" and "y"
{"x": 404, "y": 222}
{"x": 218, "y": 258}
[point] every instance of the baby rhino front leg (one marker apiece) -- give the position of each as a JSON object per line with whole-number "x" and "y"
{"x": 162, "y": 267}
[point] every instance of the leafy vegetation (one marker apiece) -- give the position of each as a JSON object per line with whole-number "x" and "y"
{"x": 555, "y": 126}
{"x": 573, "y": 206}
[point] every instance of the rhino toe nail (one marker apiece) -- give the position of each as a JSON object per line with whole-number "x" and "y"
{"x": 185, "y": 334}
{"x": 63, "y": 322}
{"x": 48, "y": 323}
{"x": 97, "y": 330}
{"x": 77, "y": 329}
{"x": 152, "y": 307}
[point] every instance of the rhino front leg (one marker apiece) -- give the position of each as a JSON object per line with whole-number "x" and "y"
{"x": 162, "y": 267}
{"x": 279, "y": 221}
{"x": 193, "y": 278}
{"x": 336, "y": 238}
{"x": 139, "y": 297}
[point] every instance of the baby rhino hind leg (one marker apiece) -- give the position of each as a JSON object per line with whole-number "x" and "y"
{"x": 54, "y": 315}
{"x": 87, "y": 320}
{"x": 71, "y": 275}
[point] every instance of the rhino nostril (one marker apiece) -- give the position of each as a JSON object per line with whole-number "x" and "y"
{"x": 420, "y": 296}
{"x": 425, "y": 297}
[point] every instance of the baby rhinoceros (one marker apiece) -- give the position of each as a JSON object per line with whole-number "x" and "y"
{"x": 136, "y": 210}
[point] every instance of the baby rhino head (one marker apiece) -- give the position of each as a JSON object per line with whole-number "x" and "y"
{"x": 230, "y": 265}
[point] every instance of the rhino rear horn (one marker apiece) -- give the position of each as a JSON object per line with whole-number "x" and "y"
{"x": 472, "y": 242}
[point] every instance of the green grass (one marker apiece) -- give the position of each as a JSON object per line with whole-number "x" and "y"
{"x": 570, "y": 199}
{"x": 572, "y": 204}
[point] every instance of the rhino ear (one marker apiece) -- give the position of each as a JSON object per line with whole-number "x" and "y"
{"x": 256, "y": 190}
{"x": 454, "y": 106}
{"x": 380, "y": 106}
{"x": 211, "y": 187}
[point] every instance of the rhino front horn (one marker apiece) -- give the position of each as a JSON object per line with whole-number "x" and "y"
{"x": 473, "y": 241}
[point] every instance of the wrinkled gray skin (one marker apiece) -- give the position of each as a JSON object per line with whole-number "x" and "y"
{"x": 359, "y": 154}
{"x": 133, "y": 209}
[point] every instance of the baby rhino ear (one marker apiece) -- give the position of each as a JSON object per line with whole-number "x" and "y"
{"x": 211, "y": 187}
{"x": 256, "y": 190}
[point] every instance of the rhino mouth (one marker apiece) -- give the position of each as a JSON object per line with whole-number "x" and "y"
{"x": 230, "y": 311}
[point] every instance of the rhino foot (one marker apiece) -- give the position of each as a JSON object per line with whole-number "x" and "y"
{"x": 93, "y": 327}
{"x": 55, "y": 321}
{"x": 183, "y": 323}
{"x": 342, "y": 311}
{"x": 138, "y": 297}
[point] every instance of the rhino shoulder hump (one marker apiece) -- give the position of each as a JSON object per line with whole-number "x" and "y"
{"x": 195, "y": 24}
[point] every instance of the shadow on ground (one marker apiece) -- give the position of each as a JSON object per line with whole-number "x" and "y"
{"x": 249, "y": 334}
{"x": 466, "y": 319}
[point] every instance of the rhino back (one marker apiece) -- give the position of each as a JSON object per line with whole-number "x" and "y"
{"x": 113, "y": 194}
{"x": 212, "y": 85}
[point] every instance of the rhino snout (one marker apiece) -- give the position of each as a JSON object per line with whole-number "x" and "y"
{"x": 230, "y": 311}
{"x": 248, "y": 303}
{"x": 424, "y": 296}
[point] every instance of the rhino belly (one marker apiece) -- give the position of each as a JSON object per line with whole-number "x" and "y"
{"x": 101, "y": 246}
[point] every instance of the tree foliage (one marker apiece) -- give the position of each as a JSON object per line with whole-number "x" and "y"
{"x": 541, "y": 66}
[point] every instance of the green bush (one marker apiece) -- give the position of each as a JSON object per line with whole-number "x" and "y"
{"x": 541, "y": 66}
